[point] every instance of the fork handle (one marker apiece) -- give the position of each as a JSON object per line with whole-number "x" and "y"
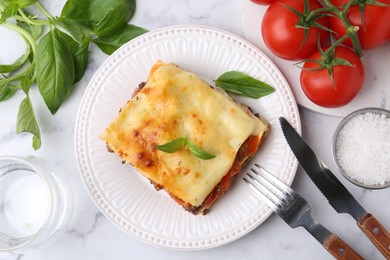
{"x": 339, "y": 249}
{"x": 376, "y": 233}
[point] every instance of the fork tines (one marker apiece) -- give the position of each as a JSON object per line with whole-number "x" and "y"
{"x": 274, "y": 192}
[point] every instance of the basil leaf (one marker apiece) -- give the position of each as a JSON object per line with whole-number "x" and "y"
{"x": 76, "y": 30}
{"x": 13, "y": 6}
{"x": 17, "y": 64}
{"x": 241, "y": 84}
{"x": 26, "y": 122}
{"x": 10, "y": 10}
{"x": 77, "y": 11}
{"x": 176, "y": 144}
{"x": 27, "y": 81}
{"x": 79, "y": 52}
{"x": 172, "y": 146}
{"x": 198, "y": 152}
{"x": 104, "y": 17}
{"x": 110, "y": 44}
{"x": 119, "y": 15}
{"x": 25, "y": 3}
{"x": 7, "y": 90}
{"x": 34, "y": 30}
{"x": 54, "y": 70}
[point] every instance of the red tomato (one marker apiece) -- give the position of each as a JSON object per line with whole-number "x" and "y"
{"x": 376, "y": 22}
{"x": 281, "y": 36}
{"x": 348, "y": 80}
{"x": 263, "y": 2}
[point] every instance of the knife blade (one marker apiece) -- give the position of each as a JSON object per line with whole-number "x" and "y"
{"x": 336, "y": 193}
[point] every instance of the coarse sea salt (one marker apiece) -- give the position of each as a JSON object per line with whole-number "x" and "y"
{"x": 363, "y": 148}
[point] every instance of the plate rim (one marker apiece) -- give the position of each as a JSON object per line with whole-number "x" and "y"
{"x": 81, "y": 162}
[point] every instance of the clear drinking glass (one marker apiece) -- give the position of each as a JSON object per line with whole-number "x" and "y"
{"x": 35, "y": 204}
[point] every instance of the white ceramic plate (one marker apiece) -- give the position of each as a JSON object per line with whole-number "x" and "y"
{"x": 375, "y": 92}
{"x": 130, "y": 201}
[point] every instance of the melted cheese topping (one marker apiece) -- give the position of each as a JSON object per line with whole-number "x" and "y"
{"x": 175, "y": 103}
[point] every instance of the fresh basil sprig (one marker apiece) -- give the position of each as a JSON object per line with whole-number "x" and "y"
{"x": 238, "y": 83}
{"x": 58, "y": 59}
{"x": 180, "y": 142}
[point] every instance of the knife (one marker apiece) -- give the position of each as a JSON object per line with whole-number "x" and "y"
{"x": 338, "y": 196}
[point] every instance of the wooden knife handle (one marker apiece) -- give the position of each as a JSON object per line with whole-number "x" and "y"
{"x": 339, "y": 249}
{"x": 376, "y": 233}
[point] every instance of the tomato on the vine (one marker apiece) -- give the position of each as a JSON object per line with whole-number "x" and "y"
{"x": 281, "y": 34}
{"x": 263, "y": 2}
{"x": 347, "y": 80}
{"x": 376, "y": 30}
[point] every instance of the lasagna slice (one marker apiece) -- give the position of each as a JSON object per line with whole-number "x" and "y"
{"x": 175, "y": 104}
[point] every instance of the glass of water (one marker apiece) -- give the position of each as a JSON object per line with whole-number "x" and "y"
{"x": 35, "y": 204}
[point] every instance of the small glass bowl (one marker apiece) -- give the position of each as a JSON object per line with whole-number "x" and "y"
{"x": 35, "y": 204}
{"x": 344, "y": 121}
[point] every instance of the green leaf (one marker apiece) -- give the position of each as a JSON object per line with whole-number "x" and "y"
{"x": 111, "y": 43}
{"x": 55, "y": 71}
{"x": 7, "y": 90}
{"x": 239, "y": 83}
{"x": 26, "y": 122}
{"x": 76, "y": 30}
{"x": 79, "y": 52}
{"x": 17, "y": 64}
{"x": 34, "y": 30}
{"x": 198, "y": 152}
{"x": 27, "y": 81}
{"x": 78, "y": 12}
{"x": 172, "y": 146}
{"x": 25, "y": 3}
{"x": 10, "y": 10}
{"x": 104, "y": 17}
{"x": 178, "y": 143}
{"x": 113, "y": 20}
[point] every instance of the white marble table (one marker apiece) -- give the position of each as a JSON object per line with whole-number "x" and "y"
{"x": 91, "y": 236}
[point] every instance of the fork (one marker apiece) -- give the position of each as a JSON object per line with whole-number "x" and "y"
{"x": 295, "y": 211}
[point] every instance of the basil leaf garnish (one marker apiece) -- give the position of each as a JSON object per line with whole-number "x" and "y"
{"x": 241, "y": 84}
{"x": 180, "y": 142}
{"x": 198, "y": 152}
{"x": 172, "y": 146}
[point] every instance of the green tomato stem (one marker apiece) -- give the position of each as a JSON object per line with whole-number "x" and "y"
{"x": 339, "y": 41}
{"x": 351, "y": 30}
{"x": 330, "y": 5}
{"x": 347, "y": 6}
{"x": 312, "y": 15}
